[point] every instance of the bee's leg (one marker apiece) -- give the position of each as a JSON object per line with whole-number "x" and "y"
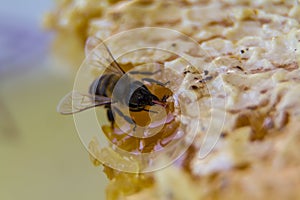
{"x": 165, "y": 97}
{"x": 142, "y": 109}
{"x": 127, "y": 118}
{"x": 150, "y": 80}
{"x": 144, "y": 72}
{"x": 110, "y": 117}
{"x": 150, "y": 110}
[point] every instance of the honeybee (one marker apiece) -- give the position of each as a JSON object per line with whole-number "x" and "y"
{"x": 134, "y": 94}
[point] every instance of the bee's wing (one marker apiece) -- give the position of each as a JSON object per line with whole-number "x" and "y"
{"x": 75, "y": 102}
{"x": 100, "y": 56}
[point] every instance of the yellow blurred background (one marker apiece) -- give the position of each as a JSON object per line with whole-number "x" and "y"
{"x": 41, "y": 156}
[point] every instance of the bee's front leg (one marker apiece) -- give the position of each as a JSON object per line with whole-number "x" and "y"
{"x": 165, "y": 97}
{"x": 142, "y": 109}
{"x": 150, "y": 80}
{"x": 127, "y": 118}
{"x": 147, "y": 73}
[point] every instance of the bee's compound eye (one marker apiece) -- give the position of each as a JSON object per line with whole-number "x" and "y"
{"x": 140, "y": 97}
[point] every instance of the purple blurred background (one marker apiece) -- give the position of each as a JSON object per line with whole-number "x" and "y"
{"x": 22, "y": 42}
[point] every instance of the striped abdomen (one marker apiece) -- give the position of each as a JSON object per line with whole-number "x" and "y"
{"x": 104, "y": 86}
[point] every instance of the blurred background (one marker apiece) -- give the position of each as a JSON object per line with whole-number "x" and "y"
{"x": 41, "y": 156}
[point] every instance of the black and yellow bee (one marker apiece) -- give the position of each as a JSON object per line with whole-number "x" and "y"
{"x": 133, "y": 94}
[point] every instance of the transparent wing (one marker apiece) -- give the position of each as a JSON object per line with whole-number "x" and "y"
{"x": 75, "y": 102}
{"x": 99, "y": 56}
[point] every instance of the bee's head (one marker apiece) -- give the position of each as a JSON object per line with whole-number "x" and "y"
{"x": 143, "y": 97}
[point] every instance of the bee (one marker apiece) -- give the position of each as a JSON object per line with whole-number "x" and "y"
{"x": 134, "y": 94}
